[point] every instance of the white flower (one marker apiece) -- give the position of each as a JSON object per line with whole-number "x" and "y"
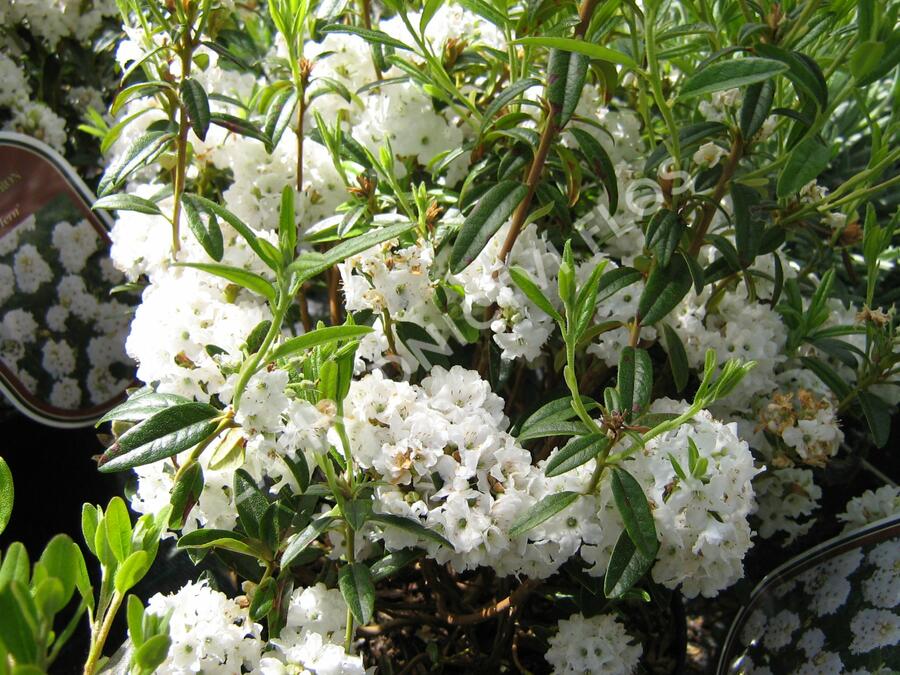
{"x": 882, "y": 589}
{"x": 31, "y": 269}
{"x": 39, "y": 121}
{"x": 873, "y": 629}
{"x": 209, "y": 632}
{"x": 827, "y": 583}
{"x": 786, "y": 499}
{"x": 780, "y": 628}
{"x": 58, "y": 358}
{"x": 18, "y": 325}
{"x": 599, "y": 645}
{"x": 871, "y": 506}
{"x": 708, "y": 155}
{"x": 75, "y": 244}
{"x": 66, "y": 394}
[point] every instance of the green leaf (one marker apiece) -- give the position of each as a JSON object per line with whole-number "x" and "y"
{"x": 545, "y": 509}
{"x": 127, "y": 202}
{"x": 392, "y": 563}
{"x": 803, "y": 72}
{"x": 523, "y": 280}
{"x": 578, "y": 451}
{"x": 210, "y": 238}
{"x": 18, "y": 622}
{"x": 249, "y": 280}
{"x": 615, "y": 280}
{"x": 131, "y": 571}
{"x": 635, "y": 512}
{"x": 7, "y": 494}
{"x": 586, "y": 303}
{"x": 134, "y": 613}
{"x": 755, "y": 108}
{"x": 748, "y": 230}
{"x": 878, "y": 415}
{"x": 664, "y": 290}
{"x": 315, "y": 338}
{"x": 237, "y": 125}
{"x": 298, "y": 543}
{"x": 635, "y": 380}
{"x": 185, "y": 494}
{"x": 663, "y": 234}
{"x": 196, "y": 103}
{"x": 370, "y": 36}
{"x": 504, "y": 98}
{"x": 287, "y": 224}
{"x": 141, "y": 405}
{"x": 118, "y": 528}
{"x": 280, "y": 115}
{"x": 90, "y": 519}
{"x": 729, "y": 75}
{"x": 600, "y": 163}
{"x": 626, "y": 567}
{"x": 555, "y": 411}
{"x": 60, "y": 560}
{"x": 141, "y": 152}
{"x": 16, "y": 565}
{"x": 597, "y": 52}
{"x": 309, "y": 265}
{"x": 263, "y": 599}
{"x": 355, "y": 582}
{"x": 492, "y": 210}
{"x": 807, "y": 160}
{"x": 151, "y": 655}
{"x": 566, "y": 72}
{"x": 248, "y": 235}
{"x": 251, "y": 503}
{"x": 211, "y": 538}
{"x": 487, "y": 10}
{"x": 166, "y": 433}
{"x": 677, "y": 357}
{"x": 411, "y": 526}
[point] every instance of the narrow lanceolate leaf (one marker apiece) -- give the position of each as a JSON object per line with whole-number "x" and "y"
{"x": 394, "y": 562}
{"x": 807, "y": 160}
{"x": 504, "y": 98}
{"x": 166, "y": 433}
{"x": 551, "y": 414}
{"x": 318, "y": 337}
{"x": 492, "y": 210}
{"x": 586, "y": 303}
{"x": 142, "y": 405}
{"x": 211, "y": 538}
{"x": 748, "y": 229}
{"x": 237, "y": 125}
{"x": 663, "y": 234}
{"x": 355, "y": 582}
{"x": 664, "y": 290}
{"x": 411, "y": 526}
{"x": 280, "y": 115}
{"x": 251, "y": 503}
{"x": 140, "y": 153}
{"x": 581, "y": 47}
{"x": 545, "y": 509}
{"x": 249, "y": 280}
{"x": 126, "y": 202}
{"x": 309, "y": 265}
{"x": 252, "y": 240}
{"x": 626, "y": 567}
{"x": 576, "y": 452}
{"x": 600, "y": 162}
{"x": 566, "y": 72}
{"x": 878, "y": 415}
{"x": 370, "y": 36}
{"x": 730, "y": 74}
{"x": 677, "y": 357}
{"x": 635, "y": 511}
{"x": 635, "y": 380}
{"x": 287, "y": 224}
{"x": 802, "y": 71}
{"x": 615, "y": 280}
{"x": 7, "y": 494}
{"x": 196, "y": 103}
{"x": 755, "y": 107}
{"x": 523, "y": 280}
{"x": 210, "y": 238}
{"x": 118, "y": 528}
{"x": 298, "y": 543}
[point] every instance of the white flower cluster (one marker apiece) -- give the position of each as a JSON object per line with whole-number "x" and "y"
{"x": 599, "y": 645}
{"x": 787, "y": 497}
{"x": 313, "y": 637}
{"x": 870, "y": 507}
{"x": 36, "y": 341}
{"x": 53, "y": 20}
{"x": 210, "y": 632}
{"x": 452, "y": 466}
{"x": 520, "y": 328}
